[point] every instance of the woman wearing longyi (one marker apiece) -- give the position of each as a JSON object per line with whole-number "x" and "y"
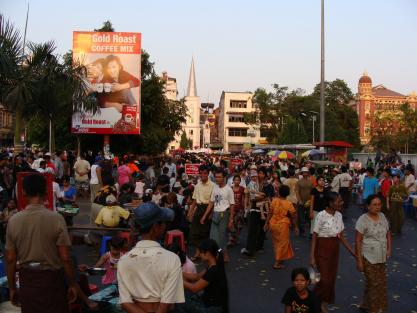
{"x": 373, "y": 248}
{"x": 327, "y": 232}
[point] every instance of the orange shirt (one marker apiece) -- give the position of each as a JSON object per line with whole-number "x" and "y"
{"x": 133, "y": 168}
{"x": 313, "y": 180}
{"x": 280, "y": 209}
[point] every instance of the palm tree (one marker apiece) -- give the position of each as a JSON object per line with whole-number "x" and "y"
{"x": 40, "y": 83}
{"x": 60, "y": 88}
{"x": 14, "y": 87}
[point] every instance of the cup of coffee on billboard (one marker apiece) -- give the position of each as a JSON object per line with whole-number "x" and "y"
{"x": 99, "y": 87}
{"x": 129, "y": 118}
{"x": 107, "y": 87}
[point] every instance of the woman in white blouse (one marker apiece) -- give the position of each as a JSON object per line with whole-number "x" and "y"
{"x": 373, "y": 248}
{"x": 328, "y": 230}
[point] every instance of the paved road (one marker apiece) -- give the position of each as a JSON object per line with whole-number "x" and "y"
{"x": 256, "y": 288}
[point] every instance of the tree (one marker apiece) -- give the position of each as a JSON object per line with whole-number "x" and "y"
{"x": 13, "y": 79}
{"x": 270, "y": 110}
{"x": 335, "y": 92}
{"x": 107, "y": 27}
{"x": 395, "y": 129}
{"x": 388, "y": 131}
{"x": 161, "y": 119}
{"x": 185, "y": 142}
{"x": 286, "y": 116}
{"x": 57, "y": 90}
{"x": 38, "y": 84}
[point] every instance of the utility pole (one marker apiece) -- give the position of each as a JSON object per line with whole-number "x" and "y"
{"x": 322, "y": 106}
{"x": 314, "y": 120}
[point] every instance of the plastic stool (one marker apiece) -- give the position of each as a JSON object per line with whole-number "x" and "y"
{"x": 103, "y": 247}
{"x": 126, "y": 236}
{"x": 76, "y": 307}
{"x": 171, "y": 235}
{"x": 93, "y": 288}
{"x": 2, "y": 269}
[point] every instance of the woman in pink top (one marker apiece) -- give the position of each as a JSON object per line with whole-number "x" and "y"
{"x": 124, "y": 173}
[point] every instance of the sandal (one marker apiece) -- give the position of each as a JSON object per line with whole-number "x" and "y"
{"x": 278, "y": 267}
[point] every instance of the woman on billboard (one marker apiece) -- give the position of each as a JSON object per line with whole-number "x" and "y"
{"x": 116, "y": 84}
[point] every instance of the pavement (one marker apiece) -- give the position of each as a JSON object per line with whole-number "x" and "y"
{"x": 255, "y": 287}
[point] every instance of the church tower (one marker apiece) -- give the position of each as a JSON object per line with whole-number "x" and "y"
{"x": 191, "y": 127}
{"x": 192, "y": 102}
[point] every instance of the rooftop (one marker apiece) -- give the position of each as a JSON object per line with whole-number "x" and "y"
{"x": 382, "y": 91}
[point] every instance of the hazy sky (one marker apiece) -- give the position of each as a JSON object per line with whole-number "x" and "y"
{"x": 240, "y": 45}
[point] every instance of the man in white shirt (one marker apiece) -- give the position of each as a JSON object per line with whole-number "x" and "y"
{"x": 410, "y": 181}
{"x": 150, "y": 277}
{"x": 150, "y": 176}
{"x": 95, "y": 181}
{"x": 57, "y": 193}
{"x": 221, "y": 202}
{"x": 172, "y": 168}
{"x": 346, "y": 184}
{"x": 335, "y": 185}
{"x": 82, "y": 168}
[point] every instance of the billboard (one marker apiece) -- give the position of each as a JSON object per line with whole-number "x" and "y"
{"x": 113, "y": 61}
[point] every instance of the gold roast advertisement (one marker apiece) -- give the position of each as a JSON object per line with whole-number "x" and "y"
{"x": 113, "y": 62}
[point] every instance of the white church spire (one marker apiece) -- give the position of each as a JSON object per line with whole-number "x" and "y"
{"x": 192, "y": 86}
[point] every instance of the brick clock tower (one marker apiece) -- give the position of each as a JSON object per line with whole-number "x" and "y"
{"x": 378, "y": 100}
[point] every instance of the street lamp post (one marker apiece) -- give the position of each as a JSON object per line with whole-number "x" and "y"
{"x": 322, "y": 136}
{"x": 314, "y": 118}
{"x": 313, "y": 115}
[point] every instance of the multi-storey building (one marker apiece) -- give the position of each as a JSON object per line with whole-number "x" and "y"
{"x": 170, "y": 84}
{"x": 233, "y": 132}
{"x": 6, "y": 126}
{"x": 373, "y": 100}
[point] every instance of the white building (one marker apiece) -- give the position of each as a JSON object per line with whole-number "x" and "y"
{"x": 233, "y": 132}
{"x": 170, "y": 85}
{"x": 205, "y": 129}
{"x": 191, "y": 127}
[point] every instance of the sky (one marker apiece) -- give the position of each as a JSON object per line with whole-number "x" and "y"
{"x": 240, "y": 45}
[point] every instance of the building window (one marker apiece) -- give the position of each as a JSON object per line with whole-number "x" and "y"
{"x": 238, "y": 104}
{"x": 236, "y": 119}
{"x": 238, "y": 132}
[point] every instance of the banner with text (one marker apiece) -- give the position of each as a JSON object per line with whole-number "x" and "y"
{"x": 113, "y": 63}
{"x": 192, "y": 169}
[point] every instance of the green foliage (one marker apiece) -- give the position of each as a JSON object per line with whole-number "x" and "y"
{"x": 10, "y": 57}
{"x": 161, "y": 119}
{"x": 107, "y": 27}
{"x": 395, "y": 129}
{"x": 185, "y": 142}
{"x": 335, "y": 92}
{"x": 48, "y": 87}
{"x": 286, "y": 116}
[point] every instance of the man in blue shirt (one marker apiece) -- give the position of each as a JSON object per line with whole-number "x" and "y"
{"x": 370, "y": 184}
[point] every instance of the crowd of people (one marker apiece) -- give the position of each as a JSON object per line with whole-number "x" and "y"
{"x": 267, "y": 196}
